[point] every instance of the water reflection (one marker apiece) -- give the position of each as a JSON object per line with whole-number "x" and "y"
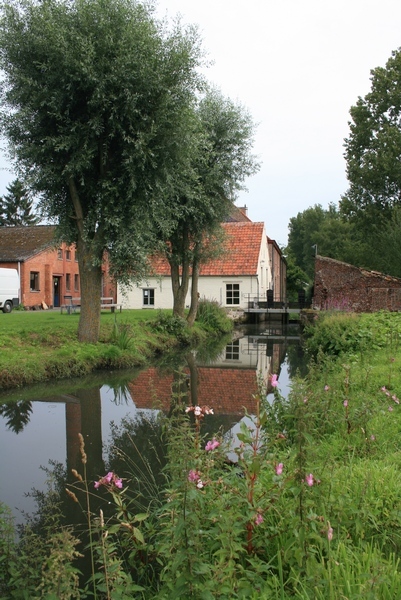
{"x": 42, "y": 423}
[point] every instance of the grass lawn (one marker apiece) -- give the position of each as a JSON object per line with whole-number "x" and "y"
{"x": 42, "y": 345}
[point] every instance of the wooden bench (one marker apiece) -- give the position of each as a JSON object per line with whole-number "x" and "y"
{"x": 109, "y": 303}
{"x": 71, "y": 304}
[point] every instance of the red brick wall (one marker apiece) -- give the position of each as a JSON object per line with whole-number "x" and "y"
{"x": 342, "y": 286}
{"x": 49, "y": 265}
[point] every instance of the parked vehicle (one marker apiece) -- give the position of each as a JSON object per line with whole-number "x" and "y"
{"x": 9, "y": 289}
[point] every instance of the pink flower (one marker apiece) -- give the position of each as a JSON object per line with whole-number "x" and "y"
{"x": 383, "y": 389}
{"x": 372, "y": 437}
{"x": 259, "y": 519}
{"x": 310, "y": 480}
{"x": 200, "y": 484}
{"x": 345, "y": 403}
{"x": 390, "y": 409}
{"x": 109, "y": 479}
{"x": 326, "y": 388}
{"x": 330, "y": 533}
{"x": 193, "y": 475}
{"x": 279, "y": 468}
{"x": 395, "y": 399}
{"x": 212, "y": 445}
{"x": 273, "y": 380}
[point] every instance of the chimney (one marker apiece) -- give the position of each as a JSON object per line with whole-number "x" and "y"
{"x": 244, "y": 210}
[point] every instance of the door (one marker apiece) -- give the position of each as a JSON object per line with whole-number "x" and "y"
{"x": 56, "y": 291}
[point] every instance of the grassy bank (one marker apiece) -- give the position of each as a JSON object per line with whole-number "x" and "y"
{"x": 38, "y": 346}
{"x": 310, "y": 511}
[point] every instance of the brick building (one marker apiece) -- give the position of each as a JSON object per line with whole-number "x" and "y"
{"x": 48, "y": 271}
{"x": 341, "y": 286}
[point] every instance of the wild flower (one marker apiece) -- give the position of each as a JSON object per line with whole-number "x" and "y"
{"x": 390, "y": 409}
{"x": 259, "y": 519}
{"x": 274, "y": 380}
{"x": 310, "y": 480}
{"x": 329, "y": 532}
{"x": 200, "y": 411}
{"x": 212, "y": 445}
{"x": 193, "y": 475}
{"x": 279, "y": 468}
{"x": 345, "y": 403}
{"x": 109, "y": 479}
{"x": 326, "y": 388}
{"x": 372, "y": 438}
{"x": 200, "y": 484}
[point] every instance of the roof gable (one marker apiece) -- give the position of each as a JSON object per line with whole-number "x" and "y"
{"x": 20, "y": 243}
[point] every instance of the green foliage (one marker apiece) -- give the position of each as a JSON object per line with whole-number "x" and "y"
{"x": 372, "y": 152}
{"x": 213, "y": 317}
{"x": 16, "y": 207}
{"x": 325, "y": 232}
{"x": 172, "y": 325}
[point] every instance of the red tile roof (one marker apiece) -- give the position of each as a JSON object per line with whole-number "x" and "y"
{"x": 240, "y": 255}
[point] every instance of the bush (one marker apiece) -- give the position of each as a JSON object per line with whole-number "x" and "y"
{"x": 213, "y": 317}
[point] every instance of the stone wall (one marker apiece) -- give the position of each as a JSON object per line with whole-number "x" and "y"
{"x": 341, "y": 286}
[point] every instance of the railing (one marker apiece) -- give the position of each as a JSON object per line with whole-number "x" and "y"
{"x": 263, "y": 303}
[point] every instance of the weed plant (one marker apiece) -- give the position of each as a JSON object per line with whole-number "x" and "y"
{"x": 310, "y": 509}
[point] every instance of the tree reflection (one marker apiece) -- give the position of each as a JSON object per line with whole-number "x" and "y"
{"x": 17, "y": 414}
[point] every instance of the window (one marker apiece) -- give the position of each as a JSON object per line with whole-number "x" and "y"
{"x": 232, "y": 350}
{"x": 34, "y": 281}
{"x": 76, "y": 283}
{"x": 60, "y": 254}
{"x": 232, "y": 293}
{"x": 68, "y": 282}
{"x": 149, "y": 297}
{"x": 68, "y": 254}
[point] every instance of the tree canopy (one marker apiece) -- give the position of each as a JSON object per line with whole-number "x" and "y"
{"x": 16, "y": 206}
{"x": 220, "y": 160}
{"x": 373, "y": 148}
{"x": 373, "y": 155}
{"x": 321, "y": 231}
{"x": 96, "y": 98}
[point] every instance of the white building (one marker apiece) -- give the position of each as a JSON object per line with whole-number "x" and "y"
{"x": 241, "y": 274}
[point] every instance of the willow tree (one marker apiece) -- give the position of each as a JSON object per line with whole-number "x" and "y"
{"x": 94, "y": 98}
{"x": 219, "y": 161}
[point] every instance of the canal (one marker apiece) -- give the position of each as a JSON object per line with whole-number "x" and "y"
{"x": 39, "y": 426}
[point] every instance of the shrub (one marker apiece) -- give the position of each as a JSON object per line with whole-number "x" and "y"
{"x": 213, "y": 317}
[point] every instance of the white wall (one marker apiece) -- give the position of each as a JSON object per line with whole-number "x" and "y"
{"x": 211, "y": 288}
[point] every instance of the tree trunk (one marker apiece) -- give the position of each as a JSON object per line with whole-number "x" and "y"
{"x": 194, "y": 293}
{"x": 91, "y": 292}
{"x": 180, "y": 288}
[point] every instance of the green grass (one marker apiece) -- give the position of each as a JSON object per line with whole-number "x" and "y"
{"x": 38, "y": 346}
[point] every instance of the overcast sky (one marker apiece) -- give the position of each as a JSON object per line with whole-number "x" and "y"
{"x": 297, "y": 66}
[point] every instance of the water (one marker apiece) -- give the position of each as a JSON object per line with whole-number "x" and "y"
{"x": 41, "y": 423}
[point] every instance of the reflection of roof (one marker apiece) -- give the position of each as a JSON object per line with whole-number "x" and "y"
{"x": 20, "y": 243}
{"x": 227, "y": 391}
{"x": 240, "y": 255}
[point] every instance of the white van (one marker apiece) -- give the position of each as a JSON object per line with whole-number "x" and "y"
{"x": 9, "y": 288}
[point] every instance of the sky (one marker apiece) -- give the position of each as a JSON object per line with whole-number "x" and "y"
{"x": 297, "y": 66}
